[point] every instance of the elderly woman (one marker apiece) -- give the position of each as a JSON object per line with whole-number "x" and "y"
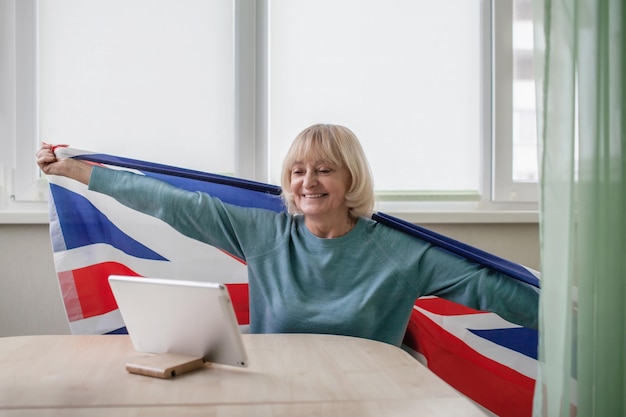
{"x": 324, "y": 266}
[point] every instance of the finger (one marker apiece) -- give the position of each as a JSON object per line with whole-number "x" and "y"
{"x": 45, "y": 156}
{"x": 54, "y": 147}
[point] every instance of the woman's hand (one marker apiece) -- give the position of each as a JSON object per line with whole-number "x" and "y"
{"x": 66, "y": 167}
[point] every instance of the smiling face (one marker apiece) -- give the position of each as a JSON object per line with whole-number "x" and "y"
{"x": 319, "y": 189}
{"x": 338, "y": 179}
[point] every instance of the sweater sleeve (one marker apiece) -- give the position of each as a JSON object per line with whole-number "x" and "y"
{"x": 194, "y": 214}
{"x": 460, "y": 280}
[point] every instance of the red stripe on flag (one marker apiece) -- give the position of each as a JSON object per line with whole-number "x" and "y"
{"x": 239, "y": 297}
{"x": 92, "y": 287}
{"x": 444, "y": 307}
{"x": 496, "y": 387}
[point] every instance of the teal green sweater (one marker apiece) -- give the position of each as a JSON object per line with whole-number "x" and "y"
{"x": 361, "y": 284}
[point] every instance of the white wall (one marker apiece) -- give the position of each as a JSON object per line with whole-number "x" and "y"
{"x": 30, "y": 300}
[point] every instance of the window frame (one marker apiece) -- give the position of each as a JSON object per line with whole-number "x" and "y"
{"x": 27, "y": 179}
{"x": 504, "y": 188}
{"x": 501, "y": 200}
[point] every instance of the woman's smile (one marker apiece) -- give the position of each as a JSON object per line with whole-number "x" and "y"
{"x": 319, "y": 189}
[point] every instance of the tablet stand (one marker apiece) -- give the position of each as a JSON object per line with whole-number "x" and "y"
{"x": 164, "y": 365}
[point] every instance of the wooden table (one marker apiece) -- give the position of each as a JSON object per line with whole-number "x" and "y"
{"x": 288, "y": 375}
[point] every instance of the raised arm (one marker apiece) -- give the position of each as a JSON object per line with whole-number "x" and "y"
{"x": 66, "y": 167}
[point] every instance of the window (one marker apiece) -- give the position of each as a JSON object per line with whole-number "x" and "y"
{"x": 525, "y": 161}
{"x": 515, "y": 167}
{"x": 164, "y": 93}
{"x": 406, "y": 78}
{"x": 232, "y": 83}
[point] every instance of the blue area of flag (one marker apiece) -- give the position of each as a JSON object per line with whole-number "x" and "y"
{"x": 519, "y": 339}
{"x": 226, "y": 192}
{"x": 83, "y": 224}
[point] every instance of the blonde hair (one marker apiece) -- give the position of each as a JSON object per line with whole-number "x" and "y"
{"x": 336, "y": 144}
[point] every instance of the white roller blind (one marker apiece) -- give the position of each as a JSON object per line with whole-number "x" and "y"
{"x": 404, "y": 75}
{"x": 148, "y": 79}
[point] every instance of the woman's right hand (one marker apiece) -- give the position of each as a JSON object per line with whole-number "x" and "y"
{"x": 67, "y": 167}
{"x": 47, "y": 160}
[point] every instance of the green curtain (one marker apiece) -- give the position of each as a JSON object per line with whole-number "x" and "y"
{"x": 580, "y": 54}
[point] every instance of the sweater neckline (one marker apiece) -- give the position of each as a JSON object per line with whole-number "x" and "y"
{"x": 353, "y": 234}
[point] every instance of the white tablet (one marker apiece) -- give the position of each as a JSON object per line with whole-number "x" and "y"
{"x": 182, "y": 317}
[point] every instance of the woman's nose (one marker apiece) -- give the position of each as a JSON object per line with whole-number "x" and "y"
{"x": 310, "y": 179}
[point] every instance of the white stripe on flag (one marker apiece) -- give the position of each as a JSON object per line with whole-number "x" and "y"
{"x": 103, "y": 323}
{"x": 222, "y": 268}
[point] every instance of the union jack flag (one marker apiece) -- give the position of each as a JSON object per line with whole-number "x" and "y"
{"x": 490, "y": 360}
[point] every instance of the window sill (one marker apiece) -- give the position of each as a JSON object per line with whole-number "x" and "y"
{"x": 424, "y": 217}
{"x": 459, "y": 212}
{"x": 477, "y": 217}
{"x": 24, "y": 217}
